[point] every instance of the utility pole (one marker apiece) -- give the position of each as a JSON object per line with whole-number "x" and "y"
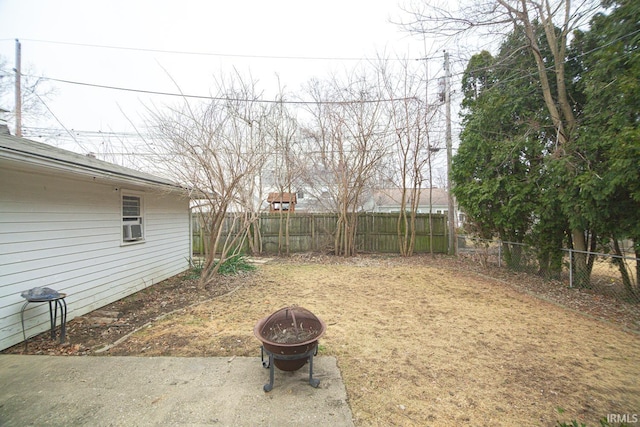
{"x": 18, "y": 90}
{"x": 451, "y": 208}
{"x": 430, "y": 150}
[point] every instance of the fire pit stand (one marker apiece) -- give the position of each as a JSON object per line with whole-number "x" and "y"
{"x": 269, "y": 363}
{"x": 289, "y": 338}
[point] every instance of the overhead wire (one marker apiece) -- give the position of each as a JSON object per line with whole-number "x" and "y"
{"x": 60, "y": 123}
{"x": 218, "y": 54}
{"x": 551, "y": 67}
{"x": 298, "y": 102}
{"x": 208, "y": 97}
{"x": 223, "y": 98}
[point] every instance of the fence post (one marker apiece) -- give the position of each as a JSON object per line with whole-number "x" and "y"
{"x": 570, "y": 268}
{"x": 313, "y": 245}
{"x": 499, "y": 254}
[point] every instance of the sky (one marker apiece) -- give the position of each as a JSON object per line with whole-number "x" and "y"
{"x": 161, "y": 45}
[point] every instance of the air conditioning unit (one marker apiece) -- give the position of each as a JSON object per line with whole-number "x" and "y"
{"x": 132, "y": 232}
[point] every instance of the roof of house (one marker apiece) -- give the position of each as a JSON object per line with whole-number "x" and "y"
{"x": 282, "y": 197}
{"x": 393, "y": 196}
{"x": 38, "y": 154}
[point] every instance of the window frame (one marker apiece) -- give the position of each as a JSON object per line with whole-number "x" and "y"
{"x": 128, "y": 220}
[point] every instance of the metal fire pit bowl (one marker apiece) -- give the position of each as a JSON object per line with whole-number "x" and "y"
{"x": 289, "y": 337}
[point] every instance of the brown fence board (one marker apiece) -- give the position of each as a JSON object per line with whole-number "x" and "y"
{"x": 376, "y": 233}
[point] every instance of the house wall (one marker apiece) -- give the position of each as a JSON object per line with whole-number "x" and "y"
{"x": 435, "y": 209}
{"x": 65, "y": 233}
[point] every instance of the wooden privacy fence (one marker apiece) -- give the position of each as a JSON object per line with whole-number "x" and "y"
{"x": 376, "y": 233}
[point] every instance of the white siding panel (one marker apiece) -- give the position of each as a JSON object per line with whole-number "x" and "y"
{"x": 66, "y": 234}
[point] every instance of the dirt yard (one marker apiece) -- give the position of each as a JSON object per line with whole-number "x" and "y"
{"x": 418, "y": 342}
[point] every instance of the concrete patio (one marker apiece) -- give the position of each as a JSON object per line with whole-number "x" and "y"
{"x": 143, "y": 391}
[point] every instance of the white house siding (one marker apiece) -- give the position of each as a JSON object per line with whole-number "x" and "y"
{"x": 65, "y": 233}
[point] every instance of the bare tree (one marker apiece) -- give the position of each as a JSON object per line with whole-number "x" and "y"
{"x": 348, "y": 133}
{"x": 281, "y": 128}
{"x": 35, "y": 92}
{"x": 410, "y": 115}
{"x": 215, "y": 149}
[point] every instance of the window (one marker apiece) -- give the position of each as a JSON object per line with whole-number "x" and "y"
{"x": 132, "y": 225}
{"x": 281, "y": 206}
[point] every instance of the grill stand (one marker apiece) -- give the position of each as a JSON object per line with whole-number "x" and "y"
{"x": 55, "y": 300}
{"x": 272, "y": 356}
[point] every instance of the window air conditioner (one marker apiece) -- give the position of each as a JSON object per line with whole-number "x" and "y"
{"x": 136, "y": 231}
{"x": 132, "y": 231}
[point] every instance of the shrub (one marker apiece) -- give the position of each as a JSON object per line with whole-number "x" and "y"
{"x": 235, "y": 264}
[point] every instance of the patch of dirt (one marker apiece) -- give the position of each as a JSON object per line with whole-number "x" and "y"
{"x": 96, "y": 332}
{"x": 419, "y": 341}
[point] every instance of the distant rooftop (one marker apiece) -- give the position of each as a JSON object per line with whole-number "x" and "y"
{"x": 393, "y": 196}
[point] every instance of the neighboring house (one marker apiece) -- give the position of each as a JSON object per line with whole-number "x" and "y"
{"x": 91, "y": 229}
{"x": 388, "y": 200}
{"x": 317, "y": 200}
{"x": 282, "y": 202}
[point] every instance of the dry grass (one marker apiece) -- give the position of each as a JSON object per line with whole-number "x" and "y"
{"x": 419, "y": 343}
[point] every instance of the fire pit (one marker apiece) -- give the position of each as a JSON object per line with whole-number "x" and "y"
{"x": 289, "y": 337}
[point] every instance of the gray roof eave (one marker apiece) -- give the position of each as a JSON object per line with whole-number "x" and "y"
{"x": 47, "y": 156}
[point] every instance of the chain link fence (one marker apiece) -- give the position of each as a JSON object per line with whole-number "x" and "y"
{"x": 607, "y": 274}
{"x": 601, "y": 273}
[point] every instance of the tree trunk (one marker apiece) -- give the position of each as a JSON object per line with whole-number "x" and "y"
{"x": 402, "y": 225}
{"x": 624, "y": 273}
{"x": 636, "y": 246}
{"x": 581, "y": 270}
{"x": 564, "y": 123}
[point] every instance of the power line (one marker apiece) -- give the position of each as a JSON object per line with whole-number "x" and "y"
{"x": 85, "y": 133}
{"x": 218, "y": 98}
{"x": 551, "y": 67}
{"x": 228, "y": 55}
{"x": 60, "y": 123}
{"x": 458, "y": 74}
